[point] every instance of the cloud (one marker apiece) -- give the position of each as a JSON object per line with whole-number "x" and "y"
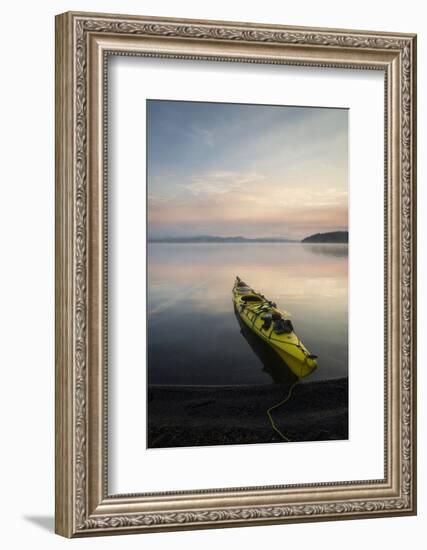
{"x": 222, "y": 182}
{"x": 255, "y": 172}
{"x": 250, "y": 204}
{"x": 204, "y": 135}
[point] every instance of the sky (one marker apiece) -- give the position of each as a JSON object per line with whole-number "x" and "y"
{"x": 245, "y": 170}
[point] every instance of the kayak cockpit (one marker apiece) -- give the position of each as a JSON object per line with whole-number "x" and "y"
{"x": 251, "y": 299}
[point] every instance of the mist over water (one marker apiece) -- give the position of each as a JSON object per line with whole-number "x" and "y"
{"x": 194, "y": 337}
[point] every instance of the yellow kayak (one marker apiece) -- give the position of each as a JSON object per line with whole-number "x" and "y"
{"x": 264, "y": 318}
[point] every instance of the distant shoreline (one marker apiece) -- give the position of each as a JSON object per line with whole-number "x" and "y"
{"x": 335, "y": 237}
{"x": 254, "y": 242}
{"x": 239, "y": 242}
{"x": 216, "y": 240}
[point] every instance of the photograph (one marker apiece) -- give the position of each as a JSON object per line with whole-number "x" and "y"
{"x": 247, "y": 273}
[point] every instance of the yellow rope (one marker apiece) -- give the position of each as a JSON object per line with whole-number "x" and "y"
{"x": 273, "y": 424}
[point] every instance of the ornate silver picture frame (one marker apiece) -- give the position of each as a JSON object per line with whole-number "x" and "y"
{"x": 84, "y": 42}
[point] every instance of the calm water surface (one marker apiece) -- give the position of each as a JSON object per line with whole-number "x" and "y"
{"x": 194, "y": 336}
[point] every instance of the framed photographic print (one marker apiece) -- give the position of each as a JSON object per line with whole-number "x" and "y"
{"x": 235, "y": 274}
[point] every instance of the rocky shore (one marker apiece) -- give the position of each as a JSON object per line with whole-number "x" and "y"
{"x": 184, "y": 416}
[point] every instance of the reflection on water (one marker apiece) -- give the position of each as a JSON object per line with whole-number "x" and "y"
{"x": 193, "y": 337}
{"x": 337, "y": 250}
{"x": 271, "y": 361}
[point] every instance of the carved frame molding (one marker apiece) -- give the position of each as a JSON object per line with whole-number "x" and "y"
{"x": 83, "y": 43}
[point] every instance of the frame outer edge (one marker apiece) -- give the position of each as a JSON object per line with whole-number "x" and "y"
{"x": 414, "y": 270}
{"x": 233, "y": 23}
{"x": 73, "y": 398}
{"x": 64, "y": 237}
{"x": 415, "y": 267}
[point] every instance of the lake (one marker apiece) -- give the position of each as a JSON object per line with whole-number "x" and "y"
{"x": 194, "y": 336}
